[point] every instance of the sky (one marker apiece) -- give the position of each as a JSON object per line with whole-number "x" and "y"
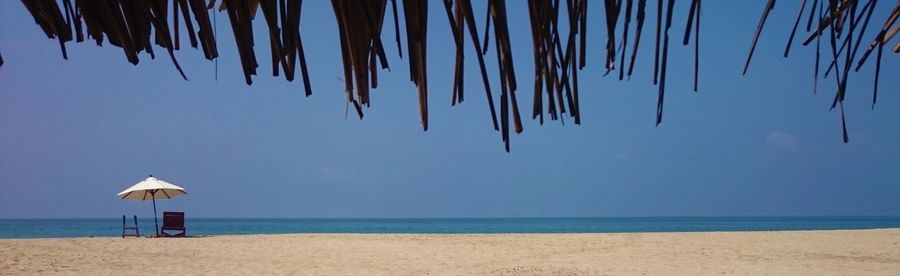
{"x": 75, "y": 132}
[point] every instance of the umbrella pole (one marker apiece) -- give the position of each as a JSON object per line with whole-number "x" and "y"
{"x": 155, "y": 221}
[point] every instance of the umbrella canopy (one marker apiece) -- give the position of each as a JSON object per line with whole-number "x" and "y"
{"x": 152, "y": 188}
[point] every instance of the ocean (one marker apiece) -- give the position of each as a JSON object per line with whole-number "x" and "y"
{"x": 59, "y": 228}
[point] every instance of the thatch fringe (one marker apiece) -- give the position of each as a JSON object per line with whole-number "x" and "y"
{"x": 838, "y": 17}
{"x": 507, "y": 71}
{"x": 416, "y": 13}
{"x": 549, "y": 57}
{"x": 557, "y": 58}
{"x": 462, "y": 20}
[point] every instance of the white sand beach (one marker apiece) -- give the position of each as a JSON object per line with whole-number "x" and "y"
{"x": 853, "y": 252}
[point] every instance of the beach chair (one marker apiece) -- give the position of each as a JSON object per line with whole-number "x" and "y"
{"x": 173, "y": 221}
{"x": 126, "y": 228}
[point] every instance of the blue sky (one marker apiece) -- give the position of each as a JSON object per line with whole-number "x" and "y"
{"x": 75, "y": 132}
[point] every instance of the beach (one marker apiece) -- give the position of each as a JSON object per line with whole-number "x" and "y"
{"x": 834, "y": 252}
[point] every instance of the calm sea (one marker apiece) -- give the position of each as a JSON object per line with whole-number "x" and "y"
{"x": 47, "y": 228}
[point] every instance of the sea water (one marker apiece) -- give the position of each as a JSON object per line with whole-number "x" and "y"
{"x": 56, "y": 228}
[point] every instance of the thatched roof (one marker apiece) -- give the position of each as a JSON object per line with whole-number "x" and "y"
{"x": 134, "y": 26}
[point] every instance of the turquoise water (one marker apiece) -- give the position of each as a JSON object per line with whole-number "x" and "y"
{"x": 47, "y": 228}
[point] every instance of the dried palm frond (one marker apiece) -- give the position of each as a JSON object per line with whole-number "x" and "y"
{"x": 659, "y": 21}
{"x": 665, "y": 58}
{"x": 843, "y": 21}
{"x": 283, "y": 20}
{"x": 628, "y": 8}
{"x": 694, "y": 19}
{"x": 135, "y": 26}
{"x": 613, "y": 7}
{"x": 416, "y": 13}
{"x": 506, "y": 70}
{"x": 787, "y": 48}
{"x": 239, "y": 15}
{"x": 359, "y": 24}
{"x": 883, "y": 37}
{"x": 762, "y": 21}
{"x": 126, "y": 24}
{"x": 48, "y": 16}
{"x": 561, "y": 87}
{"x": 642, "y": 4}
{"x": 463, "y": 20}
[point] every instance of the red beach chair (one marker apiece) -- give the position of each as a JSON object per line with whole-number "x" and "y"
{"x": 173, "y": 221}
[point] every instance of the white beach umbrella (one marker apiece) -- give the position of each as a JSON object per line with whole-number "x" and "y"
{"x": 150, "y": 189}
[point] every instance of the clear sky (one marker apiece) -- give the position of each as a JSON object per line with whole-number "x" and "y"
{"x": 75, "y": 132}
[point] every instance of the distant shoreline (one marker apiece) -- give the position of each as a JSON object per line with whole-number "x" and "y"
{"x": 897, "y": 216}
{"x": 455, "y": 234}
{"x": 61, "y": 228}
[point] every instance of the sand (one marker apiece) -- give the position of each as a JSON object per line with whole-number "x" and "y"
{"x": 857, "y": 252}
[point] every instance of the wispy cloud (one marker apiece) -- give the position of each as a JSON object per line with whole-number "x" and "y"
{"x": 782, "y": 140}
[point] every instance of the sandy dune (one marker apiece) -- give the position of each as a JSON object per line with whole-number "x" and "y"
{"x": 862, "y": 252}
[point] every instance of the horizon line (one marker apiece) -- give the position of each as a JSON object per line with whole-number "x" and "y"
{"x": 509, "y": 217}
